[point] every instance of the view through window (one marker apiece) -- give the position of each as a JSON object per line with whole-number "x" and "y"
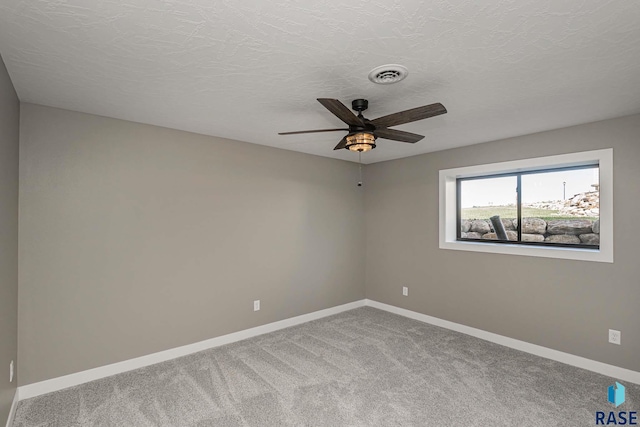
{"x": 558, "y": 207}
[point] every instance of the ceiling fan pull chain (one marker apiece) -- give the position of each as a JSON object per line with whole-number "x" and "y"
{"x": 360, "y": 167}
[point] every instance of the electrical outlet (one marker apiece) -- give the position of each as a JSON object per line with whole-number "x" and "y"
{"x": 615, "y": 337}
{"x": 405, "y": 291}
{"x": 11, "y": 372}
{"x": 256, "y": 305}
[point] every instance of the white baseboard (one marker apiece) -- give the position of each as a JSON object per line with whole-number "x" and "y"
{"x": 559, "y": 356}
{"x": 59, "y": 383}
{"x": 14, "y": 406}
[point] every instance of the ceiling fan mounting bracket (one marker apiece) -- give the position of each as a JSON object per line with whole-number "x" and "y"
{"x": 359, "y": 105}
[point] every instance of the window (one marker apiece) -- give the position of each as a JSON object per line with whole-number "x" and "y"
{"x": 557, "y": 206}
{"x": 532, "y": 207}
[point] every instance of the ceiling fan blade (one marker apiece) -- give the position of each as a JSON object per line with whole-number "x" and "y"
{"x": 341, "y": 111}
{"x": 311, "y": 131}
{"x": 342, "y": 144}
{"x": 409, "y": 116}
{"x": 398, "y": 135}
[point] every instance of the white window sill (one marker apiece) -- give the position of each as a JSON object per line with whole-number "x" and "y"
{"x": 563, "y": 252}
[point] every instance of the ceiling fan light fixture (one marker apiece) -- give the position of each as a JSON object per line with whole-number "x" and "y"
{"x": 361, "y": 141}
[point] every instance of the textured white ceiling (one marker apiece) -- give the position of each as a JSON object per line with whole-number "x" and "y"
{"x": 249, "y": 69}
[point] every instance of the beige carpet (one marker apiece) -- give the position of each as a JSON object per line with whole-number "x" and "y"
{"x": 364, "y": 367}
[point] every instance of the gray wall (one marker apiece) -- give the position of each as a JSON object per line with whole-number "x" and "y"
{"x": 9, "y": 126}
{"x": 136, "y": 239}
{"x": 560, "y": 304}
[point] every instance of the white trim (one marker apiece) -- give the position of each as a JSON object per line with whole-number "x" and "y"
{"x": 59, "y": 383}
{"x": 14, "y": 406}
{"x": 559, "y": 356}
{"x": 447, "y": 220}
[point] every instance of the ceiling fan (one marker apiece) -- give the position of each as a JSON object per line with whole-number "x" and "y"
{"x": 364, "y": 132}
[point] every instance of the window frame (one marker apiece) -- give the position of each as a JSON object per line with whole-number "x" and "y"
{"x": 449, "y": 225}
{"x": 518, "y": 176}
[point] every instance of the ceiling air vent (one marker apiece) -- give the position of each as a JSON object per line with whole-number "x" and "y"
{"x": 388, "y": 74}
